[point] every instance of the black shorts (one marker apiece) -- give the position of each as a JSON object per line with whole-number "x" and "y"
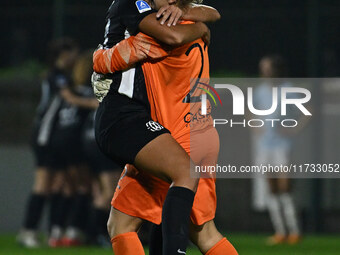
{"x": 59, "y": 153}
{"x": 43, "y": 154}
{"x": 123, "y": 127}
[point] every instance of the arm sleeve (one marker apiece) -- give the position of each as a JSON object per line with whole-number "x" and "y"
{"x": 127, "y": 53}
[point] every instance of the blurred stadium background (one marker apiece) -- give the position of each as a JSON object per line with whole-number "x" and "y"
{"x": 305, "y": 32}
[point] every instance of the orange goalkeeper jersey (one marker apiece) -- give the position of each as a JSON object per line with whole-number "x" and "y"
{"x": 174, "y": 79}
{"x": 174, "y": 89}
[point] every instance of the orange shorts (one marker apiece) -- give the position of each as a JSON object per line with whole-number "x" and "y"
{"x": 141, "y": 195}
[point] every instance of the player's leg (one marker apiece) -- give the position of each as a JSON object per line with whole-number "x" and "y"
{"x": 210, "y": 241}
{"x": 77, "y": 218}
{"x": 165, "y": 158}
{"x": 289, "y": 210}
{"x": 274, "y": 208}
{"x": 108, "y": 179}
{"x": 132, "y": 137}
{"x": 59, "y": 213}
{"x": 37, "y": 200}
{"x": 123, "y": 230}
{"x": 283, "y": 190}
{"x": 156, "y": 240}
{"x": 206, "y": 237}
{"x": 34, "y": 208}
{"x": 204, "y": 149}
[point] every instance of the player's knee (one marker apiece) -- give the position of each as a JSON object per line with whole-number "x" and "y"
{"x": 41, "y": 189}
{"x": 194, "y": 183}
{"x": 120, "y": 223}
{"x": 110, "y": 227}
{"x": 114, "y": 228}
{"x": 184, "y": 177}
{"x": 41, "y": 184}
{"x": 186, "y": 182}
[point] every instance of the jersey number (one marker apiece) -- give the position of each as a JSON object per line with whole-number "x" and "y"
{"x": 189, "y": 98}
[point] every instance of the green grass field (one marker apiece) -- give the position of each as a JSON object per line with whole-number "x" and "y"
{"x": 246, "y": 245}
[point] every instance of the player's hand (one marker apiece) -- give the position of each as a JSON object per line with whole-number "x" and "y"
{"x": 101, "y": 85}
{"x": 170, "y": 14}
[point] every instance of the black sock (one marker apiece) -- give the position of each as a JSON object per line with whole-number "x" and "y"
{"x": 62, "y": 211}
{"x": 55, "y": 200}
{"x": 156, "y": 240}
{"x": 98, "y": 223}
{"x": 34, "y": 210}
{"x": 101, "y": 216}
{"x": 175, "y": 220}
{"x": 79, "y": 211}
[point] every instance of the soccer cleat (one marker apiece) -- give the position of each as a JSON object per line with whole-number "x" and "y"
{"x": 73, "y": 237}
{"x": 28, "y": 239}
{"x": 276, "y": 239}
{"x": 69, "y": 242}
{"x": 54, "y": 242}
{"x": 294, "y": 239}
{"x": 55, "y": 237}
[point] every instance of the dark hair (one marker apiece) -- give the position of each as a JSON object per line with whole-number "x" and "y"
{"x": 279, "y": 65}
{"x": 56, "y": 47}
{"x": 83, "y": 68}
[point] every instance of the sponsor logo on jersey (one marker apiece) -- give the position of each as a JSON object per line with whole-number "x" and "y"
{"x": 154, "y": 126}
{"x": 143, "y": 6}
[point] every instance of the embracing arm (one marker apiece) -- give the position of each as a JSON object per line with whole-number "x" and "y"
{"x": 201, "y": 13}
{"x": 127, "y": 53}
{"x": 138, "y": 48}
{"x": 175, "y": 35}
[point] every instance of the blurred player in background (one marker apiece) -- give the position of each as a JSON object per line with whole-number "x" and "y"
{"x": 168, "y": 83}
{"x": 104, "y": 173}
{"x": 273, "y": 145}
{"x": 67, "y": 142}
{"x": 61, "y": 57}
{"x": 52, "y": 144}
{"x": 126, "y": 132}
{"x": 78, "y": 182}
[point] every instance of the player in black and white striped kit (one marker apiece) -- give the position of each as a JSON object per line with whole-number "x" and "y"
{"x": 122, "y": 117}
{"x": 55, "y": 88}
{"x": 94, "y": 165}
{"x": 66, "y": 144}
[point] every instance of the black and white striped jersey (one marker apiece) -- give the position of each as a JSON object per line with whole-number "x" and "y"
{"x": 49, "y": 105}
{"x": 122, "y": 21}
{"x": 123, "y": 18}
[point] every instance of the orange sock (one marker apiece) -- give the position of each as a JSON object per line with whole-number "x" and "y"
{"x": 223, "y": 247}
{"x": 127, "y": 244}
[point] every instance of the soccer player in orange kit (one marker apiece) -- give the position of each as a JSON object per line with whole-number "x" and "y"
{"x": 126, "y": 133}
{"x": 175, "y": 103}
